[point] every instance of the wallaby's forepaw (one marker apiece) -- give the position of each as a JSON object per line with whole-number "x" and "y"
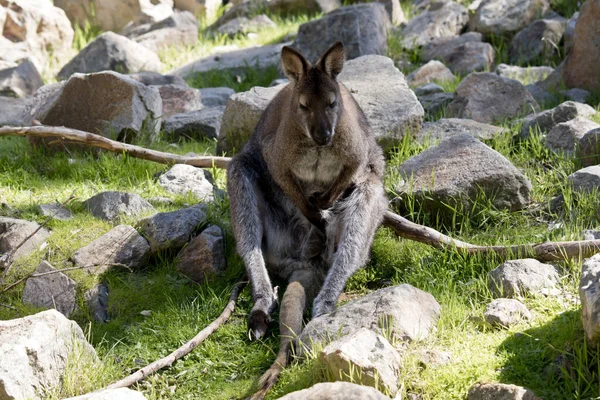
{"x": 322, "y": 306}
{"x": 258, "y": 324}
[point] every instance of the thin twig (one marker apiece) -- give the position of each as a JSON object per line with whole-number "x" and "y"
{"x": 8, "y": 306}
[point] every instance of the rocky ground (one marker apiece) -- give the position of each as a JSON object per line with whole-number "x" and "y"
{"x": 489, "y": 115}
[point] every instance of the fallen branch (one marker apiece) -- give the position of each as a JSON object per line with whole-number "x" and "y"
{"x": 186, "y": 348}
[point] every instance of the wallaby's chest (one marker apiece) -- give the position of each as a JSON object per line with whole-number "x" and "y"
{"x": 316, "y": 169}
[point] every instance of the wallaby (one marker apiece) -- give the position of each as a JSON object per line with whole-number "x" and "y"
{"x": 306, "y": 196}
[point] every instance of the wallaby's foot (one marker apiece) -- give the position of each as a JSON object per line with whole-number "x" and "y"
{"x": 258, "y": 324}
{"x": 266, "y": 382}
{"x": 323, "y": 304}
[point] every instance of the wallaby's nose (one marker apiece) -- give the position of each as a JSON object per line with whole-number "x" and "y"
{"x": 322, "y": 137}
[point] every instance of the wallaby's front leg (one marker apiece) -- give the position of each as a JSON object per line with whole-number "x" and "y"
{"x": 361, "y": 213}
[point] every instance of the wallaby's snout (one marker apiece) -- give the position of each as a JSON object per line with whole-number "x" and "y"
{"x": 315, "y": 102}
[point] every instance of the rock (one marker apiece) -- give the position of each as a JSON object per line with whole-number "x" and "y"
{"x": 336, "y": 391}
{"x": 499, "y": 17}
{"x": 427, "y": 89}
{"x": 195, "y": 125}
{"x": 209, "y": 8}
{"x": 588, "y": 148}
{"x": 591, "y": 235}
{"x": 151, "y": 78}
{"x": 34, "y": 29}
{"x": 565, "y": 135}
{"x": 171, "y": 230}
{"x": 242, "y": 25}
{"x": 20, "y": 81}
{"x": 546, "y": 120}
{"x": 110, "y": 205}
{"x": 394, "y": 10}
{"x": 538, "y": 41}
{"x": 569, "y": 34}
{"x": 448, "y": 127}
{"x": 183, "y": 179}
{"x": 576, "y": 94}
{"x": 113, "y": 52}
{"x": 434, "y": 358}
{"x": 55, "y": 290}
{"x": 121, "y": 246}
{"x": 373, "y": 80}
{"x": 14, "y": 231}
{"x": 585, "y": 180}
{"x": 216, "y": 97}
{"x": 462, "y": 54}
{"x": 362, "y": 28}
{"x": 442, "y": 19}
{"x": 179, "y": 99}
{"x": 524, "y": 75}
{"x": 487, "y": 97}
{"x": 411, "y": 312}
{"x": 589, "y": 293}
{"x": 34, "y": 351}
{"x": 178, "y": 30}
{"x": 581, "y": 65}
{"x": 111, "y": 394}
{"x": 105, "y": 103}
{"x": 14, "y": 111}
{"x": 436, "y": 103}
{"x": 235, "y": 61}
{"x": 96, "y": 300}
{"x": 204, "y": 256}
{"x": 56, "y": 211}
{"x": 499, "y": 391}
{"x": 456, "y": 171}
{"x": 541, "y": 96}
{"x": 517, "y": 278}
{"x": 436, "y": 49}
{"x": 433, "y": 71}
{"x": 364, "y": 357}
{"x": 506, "y": 313}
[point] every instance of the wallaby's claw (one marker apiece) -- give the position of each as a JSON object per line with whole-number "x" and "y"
{"x": 258, "y": 324}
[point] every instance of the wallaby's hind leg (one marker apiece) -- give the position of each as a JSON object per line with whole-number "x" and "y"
{"x": 246, "y": 204}
{"x": 302, "y": 288}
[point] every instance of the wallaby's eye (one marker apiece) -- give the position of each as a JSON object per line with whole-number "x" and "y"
{"x": 332, "y": 104}
{"x": 303, "y": 107}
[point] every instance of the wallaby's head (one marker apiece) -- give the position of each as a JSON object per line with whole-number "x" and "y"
{"x": 316, "y": 102}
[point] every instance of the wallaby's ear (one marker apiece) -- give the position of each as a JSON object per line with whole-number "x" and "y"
{"x": 294, "y": 64}
{"x": 332, "y": 61}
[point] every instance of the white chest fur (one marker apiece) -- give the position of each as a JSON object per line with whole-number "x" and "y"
{"x": 317, "y": 169}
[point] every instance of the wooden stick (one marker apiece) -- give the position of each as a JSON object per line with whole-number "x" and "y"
{"x": 186, "y": 348}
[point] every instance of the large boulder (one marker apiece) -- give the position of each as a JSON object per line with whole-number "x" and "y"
{"x": 545, "y": 120}
{"x": 499, "y": 17}
{"x": 216, "y": 96}
{"x": 105, "y": 103}
{"x": 525, "y": 75}
{"x": 171, "y": 230}
{"x": 581, "y": 65}
{"x": 111, "y": 394}
{"x": 362, "y": 28}
{"x": 588, "y": 148}
{"x": 178, "y": 99}
{"x": 565, "y": 136}
{"x": 20, "y": 81}
{"x": 499, "y": 391}
{"x": 179, "y": 29}
{"x": 506, "y": 313}
{"x": 447, "y": 127}
{"x": 111, "y": 205}
{"x": 54, "y": 290}
{"x": 112, "y": 52}
{"x": 204, "y": 255}
{"x": 14, "y": 111}
{"x": 442, "y": 19}
{"x": 35, "y": 352}
{"x": 182, "y": 179}
{"x": 336, "y": 391}
{"x": 487, "y": 97}
{"x": 538, "y": 42}
{"x": 457, "y": 171}
{"x": 433, "y": 71}
{"x": 462, "y": 54}
{"x": 35, "y": 29}
{"x": 586, "y": 180}
{"x": 589, "y": 293}
{"x": 152, "y": 78}
{"x": 517, "y": 278}
{"x": 14, "y": 231}
{"x": 195, "y": 125}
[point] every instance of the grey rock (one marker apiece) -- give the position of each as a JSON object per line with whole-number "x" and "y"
{"x": 279, "y": 81}
{"x": 506, "y": 313}
{"x": 462, "y": 54}
{"x": 487, "y": 97}
{"x": 436, "y": 103}
{"x": 591, "y": 235}
{"x": 121, "y": 246}
{"x": 569, "y": 34}
{"x": 366, "y": 357}
{"x": 434, "y": 358}
{"x": 517, "y": 278}
{"x": 209, "y": 8}
{"x": 14, "y": 111}
{"x": 525, "y": 75}
{"x": 35, "y": 350}
{"x": 113, "y": 52}
{"x": 241, "y": 25}
{"x": 442, "y": 19}
{"x": 179, "y": 99}
{"x": 499, "y": 391}
{"x": 171, "y": 230}
{"x": 546, "y": 120}
{"x": 437, "y": 48}
{"x": 195, "y": 125}
{"x": 410, "y": 313}
{"x": 362, "y": 28}
{"x": 56, "y": 211}
{"x": 394, "y": 10}
{"x": 96, "y": 300}
{"x": 433, "y": 71}
{"x": 538, "y": 41}
{"x": 576, "y": 94}
{"x": 183, "y": 179}
{"x": 588, "y": 148}
{"x": 217, "y": 96}
{"x": 14, "y": 231}
{"x": 589, "y": 293}
{"x": 565, "y": 135}
{"x": 428, "y": 88}
{"x": 541, "y": 95}
{"x": 448, "y": 127}
{"x": 505, "y": 16}
{"x": 54, "y": 290}
{"x": 112, "y": 394}
{"x": 20, "y": 81}
{"x": 204, "y": 256}
{"x": 110, "y": 205}
{"x": 585, "y": 180}
{"x": 336, "y": 391}
{"x": 178, "y": 30}
{"x": 154, "y": 78}
{"x": 456, "y": 171}
{"x": 235, "y": 61}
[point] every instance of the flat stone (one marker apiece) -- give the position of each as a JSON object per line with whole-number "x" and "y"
{"x": 204, "y": 256}
{"x": 538, "y": 41}
{"x": 437, "y": 48}
{"x": 433, "y": 71}
{"x": 183, "y": 179}
{"x": 436, "y": 103}
{"x": 20, "y": 81}
{"x": 545, "y": 120}
{"x": 448, "y": 127}
{"x": 195, "y": 125}
{"x": 506, "y": 313}
{"x": 151, "y": 78}
{"x": 462, "y": 54}
{"x": 55, "y": 290}
{"x": 96, "y": 300}
{"x": 576, "y": 94}
{"x": 585, "y": 180}
{"x": 434, "y": 358}
{"x": 171, "y": 230}
{"x": 242, "y": 25}
{"x": 517, "y": 278}
{"x": 121, "y": 246}
{"x": 56, "y": 211}
{"x": 112, "y": 394}
{"x": 565, "y": 135}
{"x": 179, "y": 99}
{"x": 589, "y": 293}
{"x": 499, "y": 17}
{"x": 525, "y": 75}
{"x": 336, "y": 391}
{"x": 217, "y": 96}
{"x": 111, "y": 205}
{"x": 427, "y": 89}
{"x": 591, "y": 235}
{"x": 588, "y": 148}
{"x": 14, "y": 111}
{"x": 499, "y": 391}
{"x": 14, "y": 231}
{"x": 180, "y": 29}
